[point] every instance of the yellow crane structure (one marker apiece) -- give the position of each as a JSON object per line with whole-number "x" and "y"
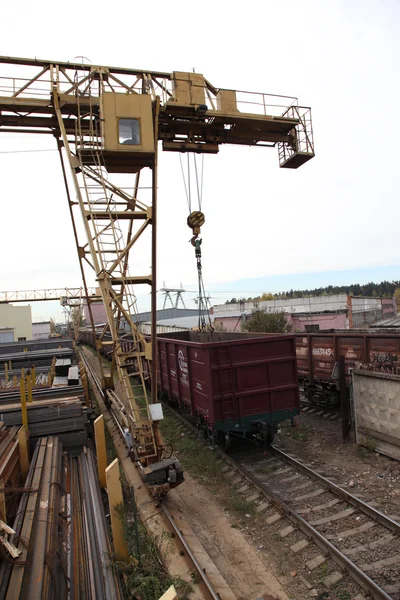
{"x": 64, "y": 295}
{"x": 108, "y": 121}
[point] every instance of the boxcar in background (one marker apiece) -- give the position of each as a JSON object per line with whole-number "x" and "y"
{"x": 318, "y": 355}
{"x": 233, "y": 383}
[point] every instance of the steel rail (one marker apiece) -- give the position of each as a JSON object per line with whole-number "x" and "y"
{"x": 368, "y": 585}
{"x": 373, "y": 513}
{"x": 199, "y": 569}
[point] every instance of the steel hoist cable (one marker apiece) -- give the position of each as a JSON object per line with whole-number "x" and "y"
{"x": 195, "y": 221}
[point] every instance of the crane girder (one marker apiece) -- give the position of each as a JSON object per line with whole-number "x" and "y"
{"x": 194, "y": 115}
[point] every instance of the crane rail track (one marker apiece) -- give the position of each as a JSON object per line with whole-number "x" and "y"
{"x": 329, "y": 549}
{"x": 206, "y": 584}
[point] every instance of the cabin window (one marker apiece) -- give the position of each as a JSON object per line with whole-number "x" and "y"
{"x": 129, "y": 132}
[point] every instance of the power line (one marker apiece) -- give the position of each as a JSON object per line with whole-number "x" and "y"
{"x": 24, "y": 151}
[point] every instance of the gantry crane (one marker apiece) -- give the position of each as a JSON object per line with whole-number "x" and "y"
{"x": 108, "y": 121}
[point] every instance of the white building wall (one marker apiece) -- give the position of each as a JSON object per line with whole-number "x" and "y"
{"x": 17, "y": 319}
{"x": 332, "y": 303}
{"x": 41, "y": 330}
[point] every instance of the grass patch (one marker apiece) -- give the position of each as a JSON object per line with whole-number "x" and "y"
{"x": 299, "y": 433}
{"x": 366, "y": 447}
{"x": 321, "y": 572}
{"x": 343, "y": 595}
{"x": 145, "y": 577}
{"x": 204, "y": 466}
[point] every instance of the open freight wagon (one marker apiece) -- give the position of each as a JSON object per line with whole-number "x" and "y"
{"x": 318, "y": 355}
{"x": 233, "y": 384}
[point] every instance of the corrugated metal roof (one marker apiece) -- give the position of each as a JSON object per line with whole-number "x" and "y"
{"x": 392, "y": 322}
{"x": 188, "y": 322}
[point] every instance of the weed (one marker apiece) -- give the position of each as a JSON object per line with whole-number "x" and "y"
{"x": 370, "y": 444}
{"x": 343, "y": 595}
{"x": 238, "y": 505}
{"x": 195, "y": 578}
{"x": 298, "y": 433}
{"x": 145, "y": 577}
{"x": 282, "y": 570}
{"x": 321, "y": 572}
{"x": 166, "y": 535}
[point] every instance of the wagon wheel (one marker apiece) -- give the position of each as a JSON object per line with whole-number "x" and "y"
{"x": 224, "y": 440}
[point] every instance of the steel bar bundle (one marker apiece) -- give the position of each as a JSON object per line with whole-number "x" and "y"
{"x": 33, "y": 345}
{"x": 43, "y": 394}
{"x": 67, "y": 418}
{"x": 37, "y": 572}
{"x": 61, "y": 532}
{"x": 9, "y": 454}
{"x": 90, "y": 570}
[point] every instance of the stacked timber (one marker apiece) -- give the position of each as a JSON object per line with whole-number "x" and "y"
{"x": 60, "y": 548}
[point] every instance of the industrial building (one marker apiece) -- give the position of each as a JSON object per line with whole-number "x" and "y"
{"x": 315, "y": 313}
{"x": 41, "y": 330}
{"x": 15, "y": 323}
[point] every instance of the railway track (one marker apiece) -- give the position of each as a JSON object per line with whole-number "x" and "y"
{"x": 326, "y": 412}
{"x": 206, "y": 588}
{"x": 346, "y": 529}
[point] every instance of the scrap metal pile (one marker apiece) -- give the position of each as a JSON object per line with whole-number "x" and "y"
{"x": 58, "y": 546}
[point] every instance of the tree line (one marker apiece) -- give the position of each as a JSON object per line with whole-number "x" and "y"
{"x": 384, "y": 289}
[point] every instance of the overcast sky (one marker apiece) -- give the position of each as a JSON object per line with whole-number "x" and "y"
{"x": 338, "y": 212}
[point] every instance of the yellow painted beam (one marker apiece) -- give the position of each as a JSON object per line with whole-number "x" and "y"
{"x": 170, "y": 594}
{"x": 15, "y": 384}
{"x": 23, "y": 403}
{"x": 23, "y": 451}
{"x": 6, "y": 371}
{"x": 33, "y": 372}
{"x": 115, "y": 498}
{"x": 29, "y": 387}
{"x": 85, "y": 388}
{"x": 101, "y": 451}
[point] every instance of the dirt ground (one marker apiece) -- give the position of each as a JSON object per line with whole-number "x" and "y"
{"x": 239, "y": 562}
{"x": 370, "y": 476}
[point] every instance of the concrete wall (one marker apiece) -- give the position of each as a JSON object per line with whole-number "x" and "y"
{"x": 17, "y": 319}
{"x": 388, "y": 308}
{"x": 233, "y": 323}
{"x": 377, "y": 411}
{"x": 41, "y": 330}
{"x": 291, "y": 305}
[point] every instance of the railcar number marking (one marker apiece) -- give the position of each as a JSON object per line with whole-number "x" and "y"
{"x": 322, "y": 351}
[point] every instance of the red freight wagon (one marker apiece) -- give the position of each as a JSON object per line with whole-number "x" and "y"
{"x": 318, "y": 353}
{"x": 239, "y": 384}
